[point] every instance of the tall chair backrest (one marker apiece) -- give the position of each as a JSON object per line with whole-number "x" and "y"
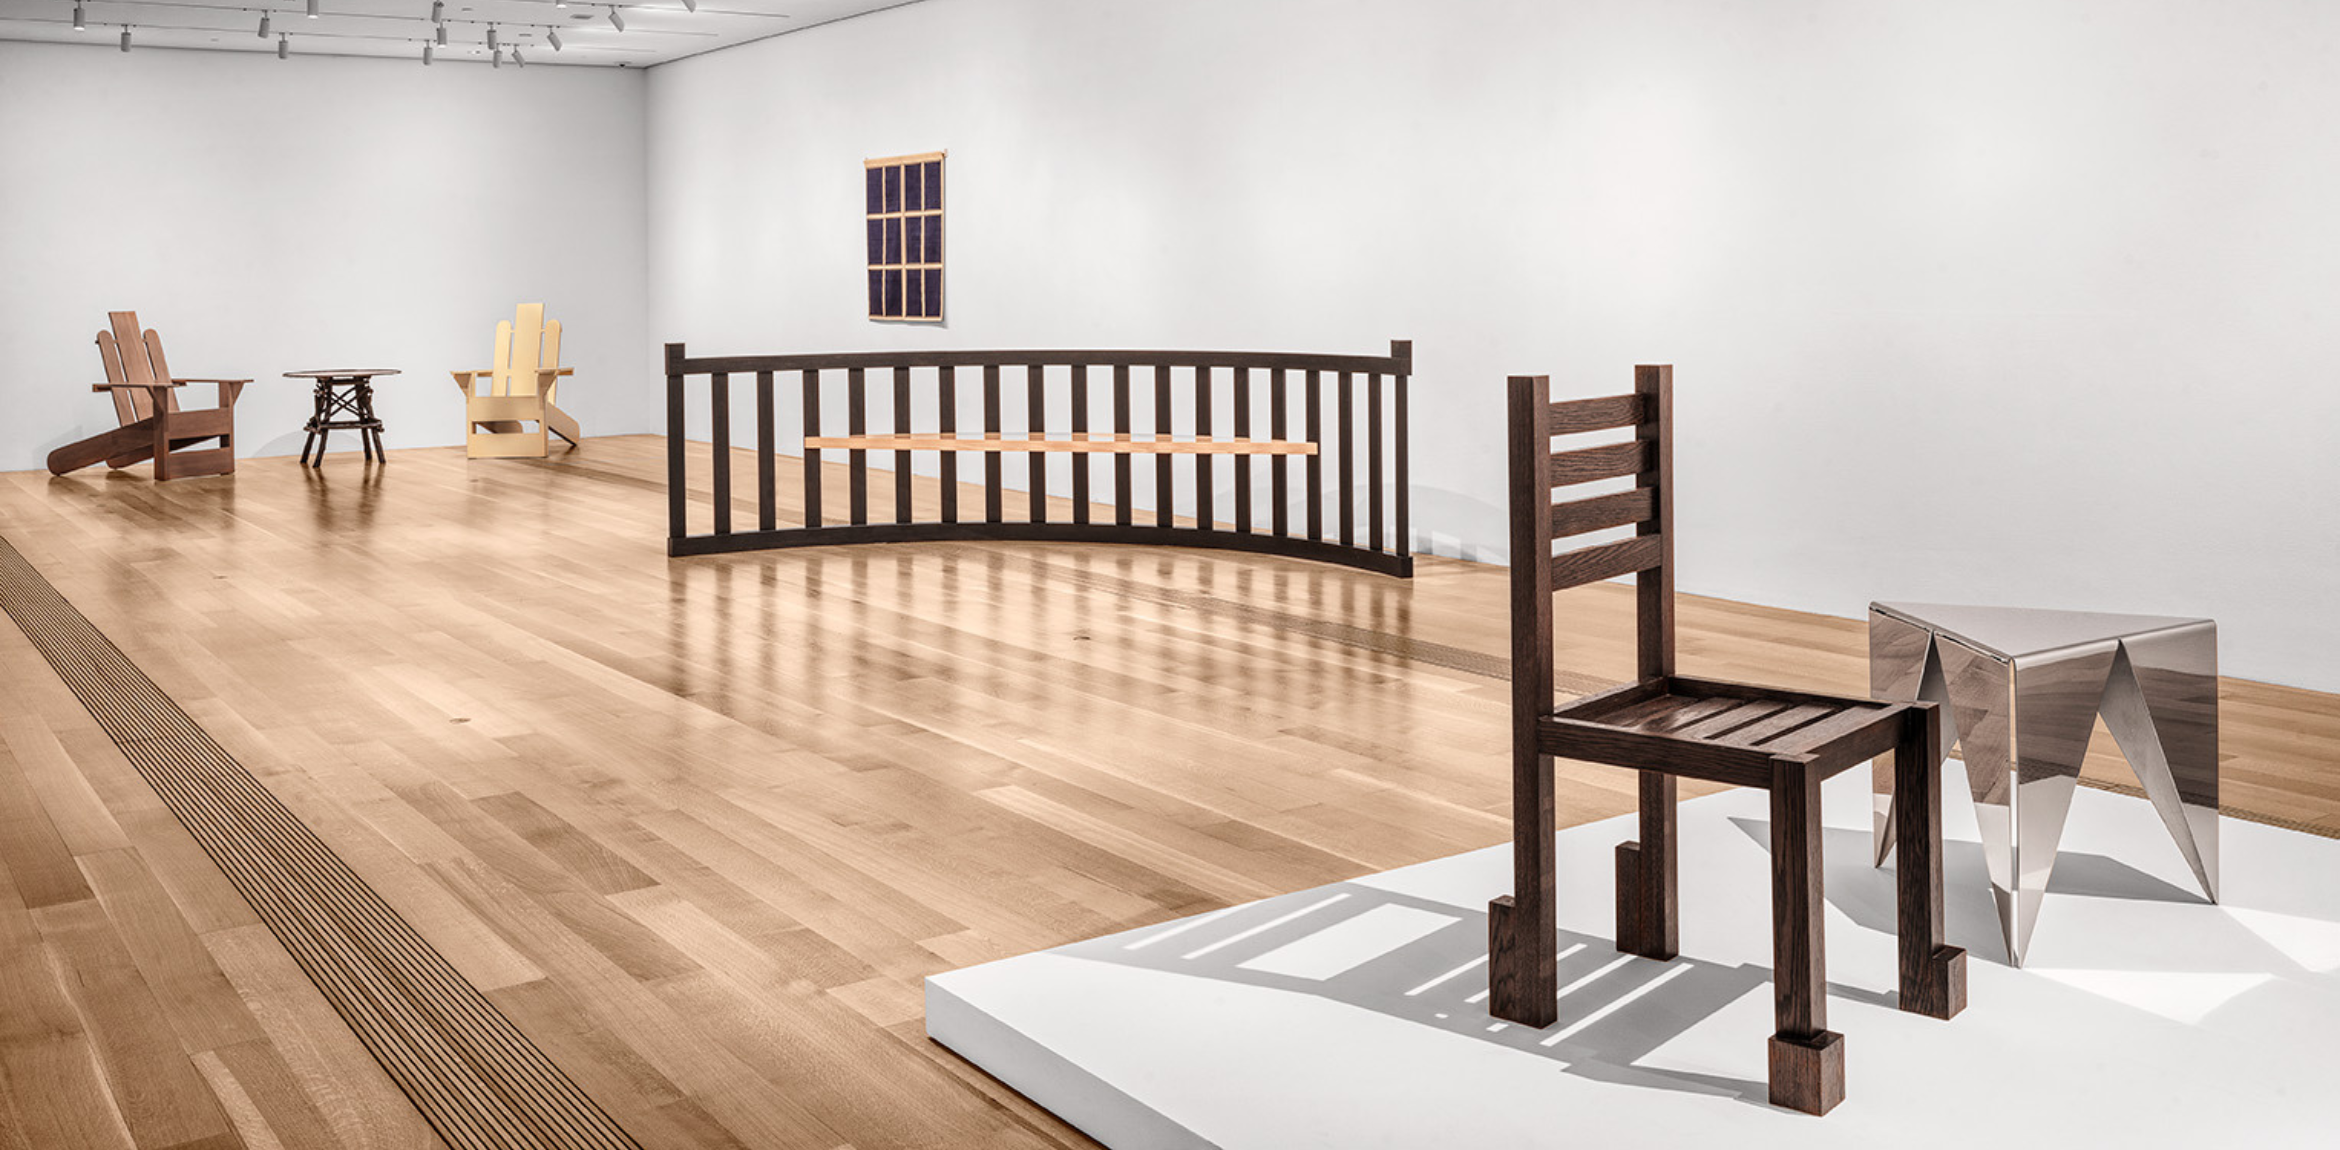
{"x": 134, "y": 357}
{"x": 522, "y": 346}
{"x": 1537, "y": 472}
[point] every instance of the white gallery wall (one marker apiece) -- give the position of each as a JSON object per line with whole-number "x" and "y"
{"x": 274, "y": 215}
{"x": 2033, "y": 302}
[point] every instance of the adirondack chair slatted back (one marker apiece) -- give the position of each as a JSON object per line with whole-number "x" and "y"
{"x": 134, "y": 357}
{"x": 523, "y": 346}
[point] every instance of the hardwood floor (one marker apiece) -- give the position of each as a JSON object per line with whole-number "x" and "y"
{"x": 699, "y": 827}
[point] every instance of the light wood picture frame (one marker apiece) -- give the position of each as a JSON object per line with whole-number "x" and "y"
{"x": 903, "y": 221}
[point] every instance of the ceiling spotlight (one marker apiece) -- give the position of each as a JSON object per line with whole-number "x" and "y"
{"x": 264, "y": 25}
{"x": 491, "y": 37}
{"x": 495, "y": 58}
{"x": 125, "y": 37}
{"x": 426, "y": 53}
{"x": 283, "y": 45}
{"x": 560, "y": 3}
{"x": 438, "y": 11}
{"x": 442, "y": 36}
{"x": 553, "y": 37}
{"x": 80, "y": 23}
{"x": 312, "y": 9}
{"x": 692, "y": 5}
{"x": 517, "y": 58}
{"x": 615, "y": 21}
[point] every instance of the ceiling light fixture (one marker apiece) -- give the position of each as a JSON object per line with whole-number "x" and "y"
{"x": 438, "y": 11}
{"x": 312, "y": 9}
{"x": 491, "y": 37}
{"x": 426, "y": 53}
{"x": 615, "y": 21}
{"x": 692, "y": 5}
{"x": 283, "y": 45}
{"x": 560, "y": 3}
{"x": 264, "y": 25}
{"x": 553, "y": 37}
{"x": 517, "y": 58}
{"x": 80, "y": 23}
{"x": 442, "y": 37}
{"x": 496, "y": 58}
{"x": 125, "y": 37}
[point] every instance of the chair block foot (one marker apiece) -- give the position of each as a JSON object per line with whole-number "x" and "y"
{"x": 1523, "y": 980}
{"x": 1640, "y": 913}
{"x": 1939, "y": 988}
{"x": 1807, "y": 1073}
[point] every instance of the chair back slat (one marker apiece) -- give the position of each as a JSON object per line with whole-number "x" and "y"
{"x": 162, "y": 369}
{"x": 1622, "y": 509}
{"x": 552, "y": 351}
{"x": 125, "y": 412}
{"x": 519, "y": 375}
{"x": 1605, "y": 561}
{"x": 500, "y": 380}
{"x": 1608, "y": 461}
{"x": 1572, "y": 416}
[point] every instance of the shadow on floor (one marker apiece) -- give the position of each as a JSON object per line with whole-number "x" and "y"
{"x": 1425, "y": 963}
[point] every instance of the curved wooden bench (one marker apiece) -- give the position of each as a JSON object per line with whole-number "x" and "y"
{"x": 1336, "y": 414}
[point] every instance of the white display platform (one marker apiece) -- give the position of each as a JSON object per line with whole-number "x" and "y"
{"x": 1354, "y": 1016}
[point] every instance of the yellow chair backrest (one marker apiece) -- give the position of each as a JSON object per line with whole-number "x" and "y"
{"x": 523, "y": 345}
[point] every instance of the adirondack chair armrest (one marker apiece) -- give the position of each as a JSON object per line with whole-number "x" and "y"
{"x": 207, "y": 379}
{"x": 542, "y": 372}
{"x": 148, "y": 386}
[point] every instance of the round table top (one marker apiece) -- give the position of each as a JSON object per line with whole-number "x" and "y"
{"x": 343, "y": 373}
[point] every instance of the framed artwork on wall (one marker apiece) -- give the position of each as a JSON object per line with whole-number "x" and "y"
{"x": 904, "y": 219}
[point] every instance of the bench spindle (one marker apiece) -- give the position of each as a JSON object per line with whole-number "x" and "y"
{"x": 948, "y": 382}
{"x": 1080, "y": 428}
{"x": 857, "y": 460}
{"x": 812, "y": 455}
{"x": 767, "y": 486}
{"x": 1124, "y": 507}
{"x": 721, "y": 390}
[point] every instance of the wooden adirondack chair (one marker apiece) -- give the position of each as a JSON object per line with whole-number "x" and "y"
{"x": 153, "y": 427}
{"x": 520, "y": 391}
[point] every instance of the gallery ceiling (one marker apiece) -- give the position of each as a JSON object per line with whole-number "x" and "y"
{"x": 655, "y": 31}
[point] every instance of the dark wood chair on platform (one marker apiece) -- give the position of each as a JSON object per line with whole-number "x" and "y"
{"x": 147, "y": 404}
{"x": 1669, "y": 726}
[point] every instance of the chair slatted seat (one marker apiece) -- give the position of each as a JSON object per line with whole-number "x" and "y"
{"x": 1669, "y": 726}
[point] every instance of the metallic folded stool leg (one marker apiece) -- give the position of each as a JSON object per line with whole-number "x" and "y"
{"x": 1669, "y": 726}
{"x": 2021, "y": 690}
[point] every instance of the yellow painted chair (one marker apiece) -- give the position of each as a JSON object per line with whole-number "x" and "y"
{"x": 519, "y": 393}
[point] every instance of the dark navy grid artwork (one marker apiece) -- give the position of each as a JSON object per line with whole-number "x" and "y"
{"x": 903, "y": 198}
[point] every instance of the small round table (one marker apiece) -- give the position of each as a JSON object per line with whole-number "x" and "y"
{"x": 345, "y": 402}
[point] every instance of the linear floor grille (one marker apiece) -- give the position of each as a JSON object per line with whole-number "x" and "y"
{"x": 477, "y": 1080}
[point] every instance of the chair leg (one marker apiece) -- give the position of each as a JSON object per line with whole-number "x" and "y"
{"x": 162, "y": 446}
{"x": 1933, "y": 974}
{"x": 1523, "y": 928}
{"x": 1648, "y": 919}
{"x": 1807, "y": 1059}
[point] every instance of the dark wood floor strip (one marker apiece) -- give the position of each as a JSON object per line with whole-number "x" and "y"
{"x": 472, "y": 1074}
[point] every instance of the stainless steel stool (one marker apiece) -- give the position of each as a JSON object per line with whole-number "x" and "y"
{"x": 2020, "y": 691}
